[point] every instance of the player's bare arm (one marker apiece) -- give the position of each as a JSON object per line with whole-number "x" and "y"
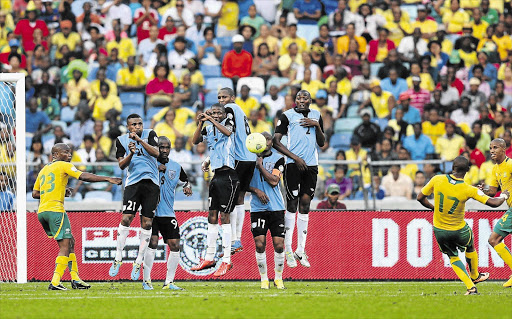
{"x": 260, "y": 194}
{"x": 497, "y": 201}
{"x": 271, "y": 178}
{"x": 320, "y": 137}
{"x": 226, "y": 130}
{"x": 152, "y": 150}
{"x": 93, "y": 178}
{"x": 198, "y": 137}
{"x": 424, "y": 201}
{"x": 490, "y": 191}
{"x": 301, "y": 165}
{"x": 36, "y": 194}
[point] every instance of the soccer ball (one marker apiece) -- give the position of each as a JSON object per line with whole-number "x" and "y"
{"x": 256, "y": 143}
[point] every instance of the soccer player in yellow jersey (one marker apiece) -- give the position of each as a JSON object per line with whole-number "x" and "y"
{"x": 50, "y": 188}
{"x": 450, "y": 229}
{"x": 502, "y": 177}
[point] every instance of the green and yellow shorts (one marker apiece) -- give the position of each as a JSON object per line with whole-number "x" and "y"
{"x": 55, "y": 224}
{"x": 504, "y": 225}
{"x": 450, "y": 241}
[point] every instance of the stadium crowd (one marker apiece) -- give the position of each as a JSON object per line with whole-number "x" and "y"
{"x": 393, "y": 80}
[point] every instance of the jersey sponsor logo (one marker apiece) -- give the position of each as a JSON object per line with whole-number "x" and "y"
{"x": 99, "y": 245}
{"x": 193, "y": 234}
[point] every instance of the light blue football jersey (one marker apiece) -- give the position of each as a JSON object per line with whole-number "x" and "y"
{"x": 242, "y": 130}
{"x": 302, "y": 140}
{"x": 276, "y": 202}
{"x": 168, "y": 182}
{"x": 142, "y": 166}
{"x": 221, "y": 147}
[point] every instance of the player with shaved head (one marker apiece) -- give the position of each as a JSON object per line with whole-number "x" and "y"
{"x": 501, "y": 177}
{"x": 304, "y": 130}
{"x": 50, "y": 188}
{"x": 450, "y": 229}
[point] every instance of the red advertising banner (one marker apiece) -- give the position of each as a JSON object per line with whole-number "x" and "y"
{"x": 341, "y": 245}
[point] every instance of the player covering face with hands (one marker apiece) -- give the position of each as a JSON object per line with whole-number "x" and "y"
{"x": 224, "y": 186}
{"x": 450, "y": 229}
{"x": 267, "y": 211}
{"x": 171, "y": 176}
{"x": 50, "y": 189}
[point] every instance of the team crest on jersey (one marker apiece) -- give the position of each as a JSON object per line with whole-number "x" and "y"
{"x": 193, "y": 245}
{"x": 172, "y": 174}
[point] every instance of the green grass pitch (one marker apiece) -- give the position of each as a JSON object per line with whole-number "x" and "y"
{"x": 214, "y": 299}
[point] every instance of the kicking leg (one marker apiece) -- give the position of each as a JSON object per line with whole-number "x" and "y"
{"x": 472, "y": 261}
{"x": 461, "y": 272}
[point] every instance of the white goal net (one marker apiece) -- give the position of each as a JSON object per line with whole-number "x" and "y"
{"x": 13, "y": 229}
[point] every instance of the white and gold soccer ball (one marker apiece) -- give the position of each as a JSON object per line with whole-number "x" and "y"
{"x": 256, "y": 143}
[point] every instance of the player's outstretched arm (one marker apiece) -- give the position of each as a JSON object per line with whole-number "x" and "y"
{"x": 93, "y": 178}
{"x": 497, "y": 201}
{"x": 152, "y": 150}
{"x": 424, "y": 201}
{"x": 491, "y": 191}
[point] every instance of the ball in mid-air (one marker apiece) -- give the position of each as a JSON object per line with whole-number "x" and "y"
{"x": 256, "y": 143}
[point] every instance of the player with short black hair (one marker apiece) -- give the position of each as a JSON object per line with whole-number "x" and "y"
{"x": 50, "y": 188}
{"x": 304, "y": 129}
{"x": 244, "y": 161}
{"x": 224, "y": 186}
{"x": 165, "y": 222}
{"x": 137, "y": 150}
{"x": 450, "y": 229}
{"x": 267, "y": 211}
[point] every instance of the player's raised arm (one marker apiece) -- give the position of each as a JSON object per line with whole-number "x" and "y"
{"x": 122, "y": 160}
{"x": 497, "y": 201}
{"x": 198, "y": 134}
{"x": 226, "y": 130}
{"x": 152, "y": 150}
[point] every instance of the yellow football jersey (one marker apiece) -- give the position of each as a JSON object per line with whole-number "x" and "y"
{"x": 51, "y": 182}
{"x": 502, "y": 177}
{"x": 450, "y": 196}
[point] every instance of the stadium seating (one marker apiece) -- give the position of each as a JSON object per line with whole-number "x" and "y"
{"x": 210, "y": 98}
{"x": 307, "y": 31}
{"x": 375, "y": 67}
{"x": 340, "y": 141}
{"x": 99, "y": 196}
{"x": 224, "y": 42}
{"x": 382, "y": 123}
{"x": 28, "y": 142}
{"x": 215, "y": 84}
{"x": 353, "y": 111}
{"x": 210, "y": 71}
{"x": 152, "y": 111}
{"x": 346, "y": 125}
{"x": 135, "y": 98}
{"x": 277, "y": 81}
{"x": 130, "y": 109}
{"x": 257, "y": 85}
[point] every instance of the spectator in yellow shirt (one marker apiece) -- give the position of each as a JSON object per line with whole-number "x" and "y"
{"x": 312, "y": 86}
{"x": 344, "y": 41}
{"x": 101, "y": 76}
{"x": 65, "y": 37}
{"x": 183, "y": 115}
{"x": 168, "y": 128}
{"x": 343, "y": 87}
{"x": 124, "y": 46}
{"x": 76, "y": 86}
{"x": 257, "y": 125}
{"x": 104, "y": 103}
{"x": 433, "y": 128}
{"x": 289, "y": 62}
{"x": 453, "y": 17}
{"x": 381, "y": 101}
{"x": 502, "y": 40}
{"x": 407, "y": 169}
{"x": 428, "y": 27}
{"x": 449, "y": 145}
{"x": 398, "y": 29}
{"x": 246, "y": 102}
{"x": 292, "y": 37}
{"x": 228, "y": 18}
{"x": 131, "y": 78}
{"x": 479, "y": 26}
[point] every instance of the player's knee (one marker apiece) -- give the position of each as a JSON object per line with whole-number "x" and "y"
{"x": 279, "y": 247}
{"x": 493, "y": 241}
{"x": 147, "y": 224}
{"x": 127, "y": 219}
{"x": 291, "y": 206}
{"x": 260, "y": 247}
{"x": 153, "y": 242}
{"x": 174, "y": 246}
{"x": 224, "y": 218}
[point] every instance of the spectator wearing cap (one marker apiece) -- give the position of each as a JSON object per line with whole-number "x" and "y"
{"x": 25, "y": 27}
{"x": 484, "y": 86}
{"x": 292, "y": 37}
{"x": 14, "y": 46}
{"x": 411, "y": 115}
{"x": 394, "y": 84}
{"x": 132, "y": 77}
{"x": 341, "y": 180}
{"x": 419, "y": 145}
{"x": 419, "y": 97}
{"x": 448, "y": 145}
{"x": 333, "y": 194}
{"x": 343, "y": 42}
{"x": 412, "y": 47}
{"x": 247, "y": 31}
{"x": 228, "y": 18}
{"x": 237, "y": 63}
{"x": 453, "y": 16}
{"x": 428, "y": 27}
{"x": 66, "y": 38}
{"x": 397, "y": 184}
{"x": 147, "y": 45}
{"x": 378, "y": 49}
{"x": 168, "y": 31}
{"x": 144, "y": 18}
{"x": 367, "y": 132}
{"x": 254, "y": 20}
{"x": 433, "y": 127}
{"x": 179, "y": 56}
{"x": 477, "y": 98}
{"x": 196, "y": 32}
{"x": 381, "y": 101}
{"x": 124, "y": 46}
{"x": 245, "y": 101}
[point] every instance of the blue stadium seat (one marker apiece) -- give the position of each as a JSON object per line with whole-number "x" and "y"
{"x": 30, "y": 198}
{"x": 374, "y": 68}
{"x": 382, "y": 123}
{"x": 46, "y": 137}
{"x": 346, "y": 125}
{"x": 152, "y": 111}
{"x": 340, "y": 141}
{"x": 132, "y": 108}
{"x": 62, "y": 124}
{"x": 353, "y": 111}
{"x": 216, "y": 84}
{"x": 77, "y": 7}
{"x": 225, "y": 42}
{"x": 210, "y": 71}
{"x": 210, "y": 98}
{"x": 277, "y": 81}
{"x": 307, "y": 31}
{"x": 256, "y": 84}
{"x": 98, "y": 196}
{"x": 136, "y": 98}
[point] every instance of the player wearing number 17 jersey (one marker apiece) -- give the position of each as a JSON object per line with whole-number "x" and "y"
{"x": 450, "y": 229}
{"x": 304, "y": 130}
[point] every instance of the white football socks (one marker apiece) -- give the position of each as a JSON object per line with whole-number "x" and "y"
{"x": 211, "y": 241}
{"x": 261, "y": 260}
{"x": 172, "y": 264}
{"x": 279, "y": 265}
{"x": 149, "y": 258}
{"x": 302, "y": 232}
{"x": 226, "y": 242}
{"x": 232, "y": 221}
{"x": 289, "y": 226}
{"x": 240, "y": 215}
{"x": 122, "y": 234}
{"x": 145, "y": 236}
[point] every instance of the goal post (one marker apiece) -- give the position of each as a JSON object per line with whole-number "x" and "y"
{"x": 12, "y": 105}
